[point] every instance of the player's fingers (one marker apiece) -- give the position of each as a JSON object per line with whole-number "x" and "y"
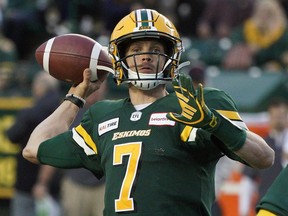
{"x": 87, "y": 73}
{"x": 173, "y": 116}
{"x": 90, "y": 86}
{"x": 86, "y": 78}
{"x": 187, "y": 83}
{"x": 94, "y": 86}
{"x": 82, "y": 89}
{"x": 200, "y": 94}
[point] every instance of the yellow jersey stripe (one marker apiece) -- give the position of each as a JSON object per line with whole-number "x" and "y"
{"x": 264, "y": 212}
{"x": 232, "y": 115}
{"x": 81, "y": 142}
{"x": 186, "y": 133}
{"x": 87, "y": 138}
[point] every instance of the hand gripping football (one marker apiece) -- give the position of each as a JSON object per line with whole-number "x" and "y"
{"x": 66, "y": 56}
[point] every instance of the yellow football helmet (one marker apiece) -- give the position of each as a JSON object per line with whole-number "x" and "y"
{"x": 143, "y": 24}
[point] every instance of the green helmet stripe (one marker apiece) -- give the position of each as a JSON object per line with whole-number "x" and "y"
{"x": 144, "y": 18}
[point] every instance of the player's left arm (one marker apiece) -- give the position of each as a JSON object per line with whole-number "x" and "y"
{"x": 247, "y": 145}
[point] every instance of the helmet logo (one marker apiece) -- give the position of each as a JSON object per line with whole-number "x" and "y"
{"x": 144, "y": 27}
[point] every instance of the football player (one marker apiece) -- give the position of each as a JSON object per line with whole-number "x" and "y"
{"x": 158, "y": 151}
{"x": 275, "y": 202}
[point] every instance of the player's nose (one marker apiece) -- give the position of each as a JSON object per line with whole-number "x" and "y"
{"x": 146, "y": 57}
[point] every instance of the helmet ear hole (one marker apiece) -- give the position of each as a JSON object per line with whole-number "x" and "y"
{"x": 168, "y": 46}
{"x": 122, "y": 48}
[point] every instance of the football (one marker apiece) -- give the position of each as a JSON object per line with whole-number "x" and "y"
{"x": 66, "y": 56}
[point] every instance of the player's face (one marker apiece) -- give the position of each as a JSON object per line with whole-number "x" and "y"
{"x": 144, "y": 56}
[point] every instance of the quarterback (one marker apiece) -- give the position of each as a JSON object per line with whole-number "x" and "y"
{"x": 157, "y": 151}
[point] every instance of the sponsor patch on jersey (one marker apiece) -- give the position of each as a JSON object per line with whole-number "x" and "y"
{"x": 107, "y": 126}
{"x": 135, "y": 116}
{"x": 160, "y": 119}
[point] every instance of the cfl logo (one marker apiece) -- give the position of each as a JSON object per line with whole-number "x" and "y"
{"x": 135, "y": 116}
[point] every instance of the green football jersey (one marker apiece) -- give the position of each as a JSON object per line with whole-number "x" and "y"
{"x": 276, "y": 198}
{"x": 152, "y": 165}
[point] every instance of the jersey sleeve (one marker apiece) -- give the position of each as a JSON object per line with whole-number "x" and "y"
{"x": 224, "y": 104}
{"x": 59, "y": 152}
{"x": 73, "y": 149}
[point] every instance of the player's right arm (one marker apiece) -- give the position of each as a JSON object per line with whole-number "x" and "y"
{"x": 60, "y": 120}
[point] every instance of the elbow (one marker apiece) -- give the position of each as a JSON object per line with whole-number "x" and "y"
{"x": 271, "y": 159}
{"x": 268, "y": 160}
{"x": 30, "y": 155}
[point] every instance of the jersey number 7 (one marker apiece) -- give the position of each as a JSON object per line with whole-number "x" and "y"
{"x": 133, "y": 151}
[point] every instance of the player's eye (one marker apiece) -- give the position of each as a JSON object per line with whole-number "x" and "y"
{"x": 136, "y": 50}
{"x": 156, "y": 50}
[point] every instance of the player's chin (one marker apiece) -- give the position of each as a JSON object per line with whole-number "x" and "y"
{"x": 146, "y": 71}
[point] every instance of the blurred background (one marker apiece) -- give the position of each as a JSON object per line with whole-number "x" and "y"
{"x": 239, "y": 46}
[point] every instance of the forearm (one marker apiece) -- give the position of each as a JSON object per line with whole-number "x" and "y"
{"x": 249, "y": 146}
{"x": 256, "y": 152}
{"x": 57, "y": 123}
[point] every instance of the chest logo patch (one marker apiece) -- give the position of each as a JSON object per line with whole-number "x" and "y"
{"x": 160, "y": 119}
{"x": 135, "y": 116}
{"x": 107, "y": 126}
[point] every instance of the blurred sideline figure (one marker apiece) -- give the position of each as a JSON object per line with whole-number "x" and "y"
{"x": 258, "y": 181}
{"x": 221, "y": 16}
{"x": 261, "y": 41}
{"x": 8, "y": 58}
{"x": 81, "y": 192}
{"x": 35, "y": 183}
